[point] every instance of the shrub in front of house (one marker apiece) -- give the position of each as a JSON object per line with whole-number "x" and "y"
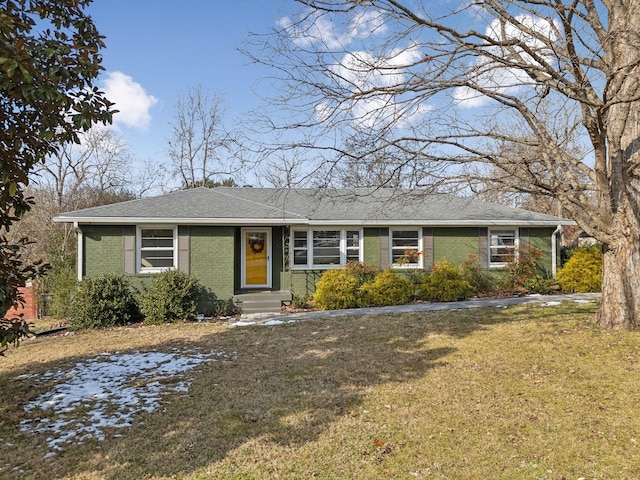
{"x": 481, "y": 281}
{"x": 363, "y": 272}
{"x": 211, "y": 306}
{"x": 445, "y": 283}
{"x": 301, "y": 301}
{"x": 102, "y": 302}
{"x": 542, "y": 284}
{"x": 387, "y": 288}
{"x": 225, "y": 308}
{"x": 341, "y": 288}
{"x": 583, "y": 271}
{"x": 524, "y": 267}
{"x": 528, "y": 274}
{"x": 55, "y": 291}
{"x": 337, "y": 288}
{"x": 172, "y": 297}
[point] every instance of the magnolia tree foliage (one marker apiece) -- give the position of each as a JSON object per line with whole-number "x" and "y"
{"x": 542, "y": 94}
{"x": 49, "y": 60}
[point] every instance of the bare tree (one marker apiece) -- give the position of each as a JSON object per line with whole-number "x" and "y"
{"x": 95, "y": 172}
{"x": 199, "y": 147}
{"x": 286, "y": 170}
{"x": 100, "y": 163}
{"x": 510, "y": 184}
{"x": 454, "y": 84}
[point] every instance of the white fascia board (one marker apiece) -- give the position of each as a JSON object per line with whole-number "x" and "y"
{"x": 175, "y": 221}
{"x": 304, "y": 222}
{"x": 445, "y": 223}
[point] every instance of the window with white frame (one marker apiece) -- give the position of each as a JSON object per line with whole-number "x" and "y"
{"x": 300, "y": 248}
{"x": 353, "y": 245}
{"x": 156, "y": 249}
{"x": 406, "y": 248}
{"x": 503, "y": 246}
{"x": 325, "y": 248}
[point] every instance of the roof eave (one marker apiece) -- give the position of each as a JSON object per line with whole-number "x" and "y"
{"x": 303, "y": 221}
{"x": 447, "y": 223}
{"x": 174, "y": 221}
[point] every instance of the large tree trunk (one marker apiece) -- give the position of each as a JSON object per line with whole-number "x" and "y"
{"x": 619, "y": 193}
{"x": 620, "y": 305}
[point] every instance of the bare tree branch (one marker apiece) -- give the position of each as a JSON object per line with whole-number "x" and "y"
{"x": 200, "y": 148}
{"x": 543, "y": 95}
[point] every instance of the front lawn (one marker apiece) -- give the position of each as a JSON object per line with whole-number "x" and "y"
{"x": 521, "y": 392}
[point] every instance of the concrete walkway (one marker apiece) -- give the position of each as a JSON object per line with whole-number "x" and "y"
{"x": 267, "y": 319}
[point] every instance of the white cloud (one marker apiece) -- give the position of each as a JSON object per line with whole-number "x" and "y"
{"x": 367, "y": 23}
{"x": 358, "y": 70}
{"x": 131, "y": 100}
{"x": 490, "y": 75}
{"x": 318, "y": 28}
{"x": 365, "y": 72}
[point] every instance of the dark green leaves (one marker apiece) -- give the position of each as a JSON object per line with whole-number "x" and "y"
{"x": 49, "y": 60}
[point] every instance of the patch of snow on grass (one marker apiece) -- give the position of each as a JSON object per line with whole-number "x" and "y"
{"x": 106, "y": 391}
{"x": 243, "y": 323}
{"x": 270, "y": 323}
{"x": 550, "y": 304}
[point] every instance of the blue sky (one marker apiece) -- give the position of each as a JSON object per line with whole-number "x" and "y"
{"x": 158, "y": 49}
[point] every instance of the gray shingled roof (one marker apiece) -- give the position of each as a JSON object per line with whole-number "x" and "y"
{"x": 271, "y": 206}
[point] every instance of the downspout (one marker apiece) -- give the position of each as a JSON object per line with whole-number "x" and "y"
{"x": 79, "y": 250}
{"x": 554, "y": 251}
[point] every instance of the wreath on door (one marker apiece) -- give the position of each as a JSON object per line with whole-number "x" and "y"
{"x": 256, "y": 244}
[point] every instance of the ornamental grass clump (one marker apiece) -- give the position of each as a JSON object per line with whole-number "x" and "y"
{"x": 102, "y": 302}
{"x": 173, "y": 297}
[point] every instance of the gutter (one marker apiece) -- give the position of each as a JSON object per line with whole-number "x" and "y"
{"x": 554, "y": 251}
{"x": 246, "y": 222}
{"x": 79, "y": 250}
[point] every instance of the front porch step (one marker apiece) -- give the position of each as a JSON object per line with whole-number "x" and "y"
{"x": 264, "y": 301}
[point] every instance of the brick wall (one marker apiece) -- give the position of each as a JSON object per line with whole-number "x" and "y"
{"x": 29, "y": 309}
{"x": 303, "y": 282}
{"x": 371, "y": 245}
{"x": 540, "y": 238}
{"x": 104, "y": 249}
{"x": 212, "y": 258}
{"x": 454, "y": 243}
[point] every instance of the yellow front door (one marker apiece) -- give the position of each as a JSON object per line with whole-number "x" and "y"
{"x": 256, "y": 258}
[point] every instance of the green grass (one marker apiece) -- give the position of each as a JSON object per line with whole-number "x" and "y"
{"x": 519, "y": 393}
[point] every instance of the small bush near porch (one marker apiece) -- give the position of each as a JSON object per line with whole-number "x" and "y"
{"x": 527, "y": 392}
